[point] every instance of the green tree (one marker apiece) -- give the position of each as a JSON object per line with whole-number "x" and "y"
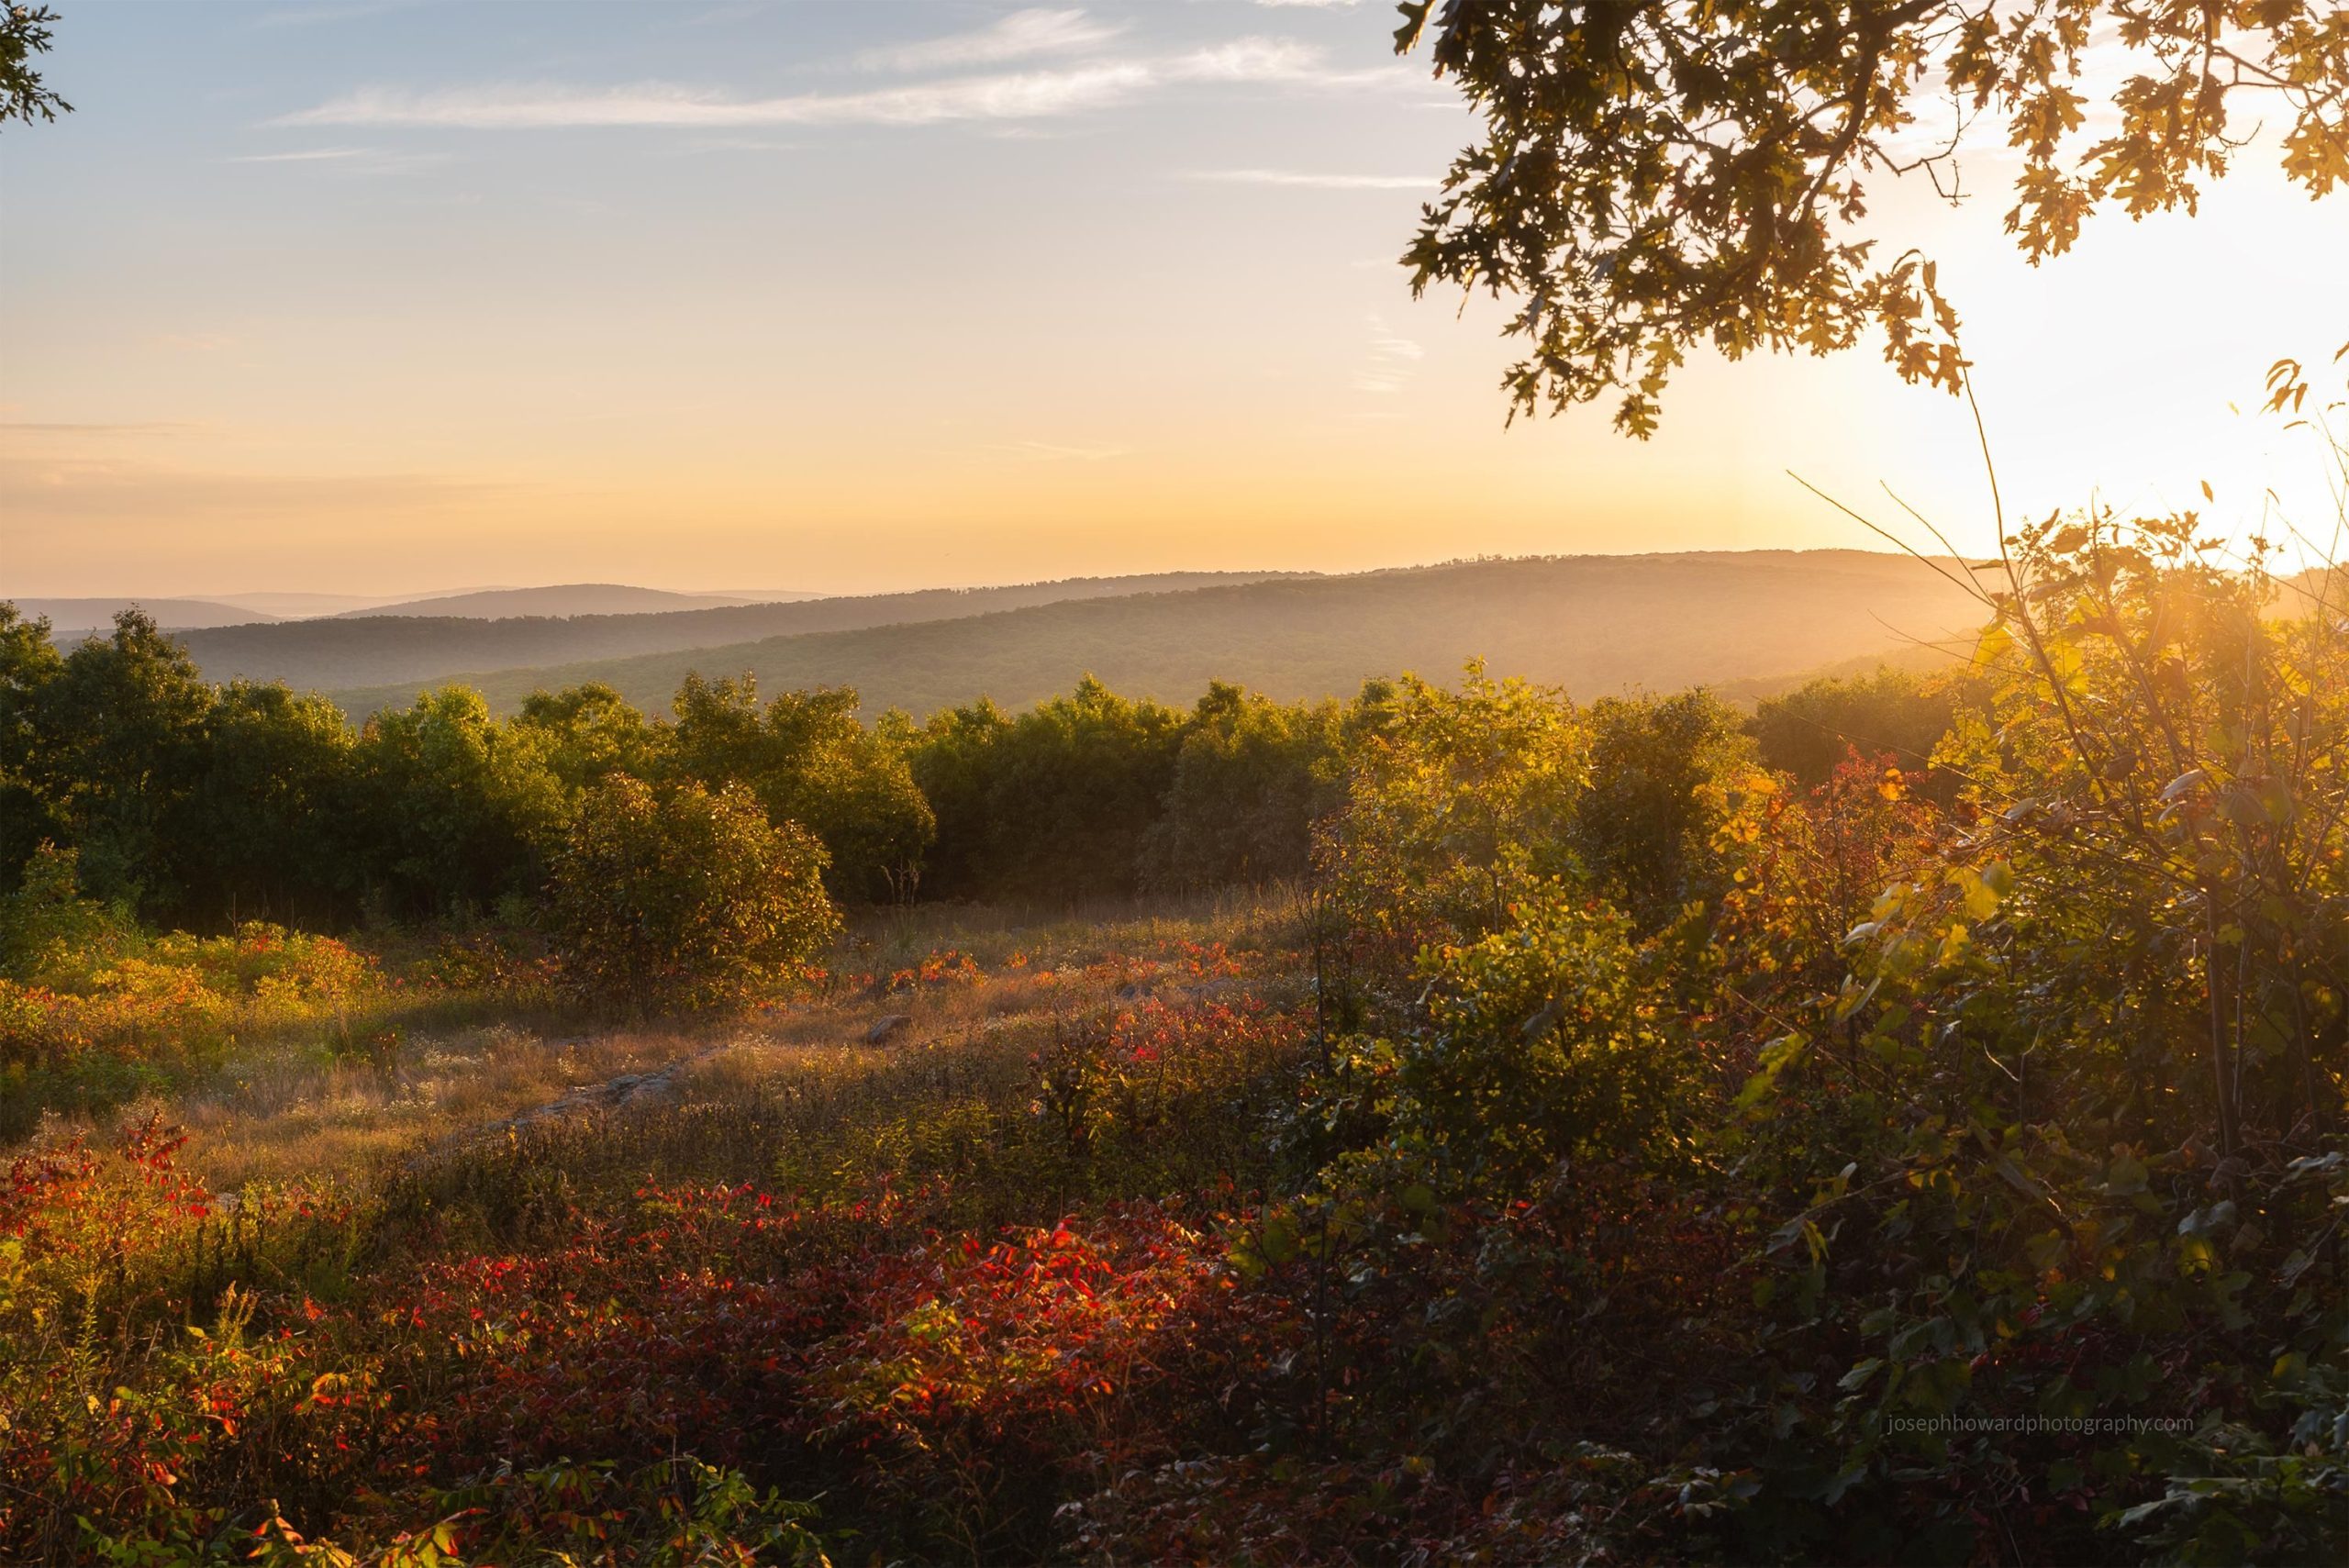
{"x": 1251, "y": 778}
{"x": 590, "y": 732}
{"x": 685, "y": 897}
{"x": 809, "y": 760}
{"x": 1654, "y": 177}
{"x": 23, "y": 33}
{"x": 46, "y": 923}
{"x": 457, "y": 810}
{"x": 266, "y": 830}
{"x": 28, "y": 662}
{"x": 1053, "y": 803}
{"x": 952, "y": 757}
{"x": 118, "y": 738}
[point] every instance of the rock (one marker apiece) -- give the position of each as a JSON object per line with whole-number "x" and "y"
{"x": 652, "y": 1090}
{"x": 886, "y": 1024}
{"x": 628, "y": 1091}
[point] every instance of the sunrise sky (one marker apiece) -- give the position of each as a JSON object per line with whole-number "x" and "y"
{"x": 379, "y": 297}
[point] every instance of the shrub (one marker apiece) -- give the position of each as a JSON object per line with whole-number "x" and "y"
{"x": 1457, "y": 805}
{"x": 115, "y": 1013}
{"x": 157, "y": 1350}
{"x": 1810, "y": 730}
{"x": 46, "y": 924}
{"x": 684, "y": 898}
{"x": 1549, "y": 1040}
{"x": 1644, "y": 828}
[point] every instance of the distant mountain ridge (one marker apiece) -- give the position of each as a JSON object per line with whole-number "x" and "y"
{"x": 567, "y": 599}
{"x": 293, "y": 604}
{"x": 182, "y": 612}
{"x": 1594, "y": 624}
{"x": 378, "y": 648}
{"x": 70, "y": 618}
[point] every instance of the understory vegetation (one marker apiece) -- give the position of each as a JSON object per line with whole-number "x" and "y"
{"x": 1461, "y": 1124}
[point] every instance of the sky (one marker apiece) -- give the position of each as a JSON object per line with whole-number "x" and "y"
{"x": 377, "y": 297}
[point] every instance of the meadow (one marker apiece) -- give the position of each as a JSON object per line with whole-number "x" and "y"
{"x": 1462, "y": 1124}
{"x": 462, "y": 1293}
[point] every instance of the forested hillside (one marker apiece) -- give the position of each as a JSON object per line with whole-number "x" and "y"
{"x": 1591, "y": 623}
{"x": 348, "y": 652}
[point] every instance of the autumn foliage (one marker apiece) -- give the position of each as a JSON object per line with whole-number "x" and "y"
{"x": 1638, "y": 1136}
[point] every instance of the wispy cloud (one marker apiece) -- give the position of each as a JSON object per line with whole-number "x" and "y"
{"x": 1020, "y": 35}
{"x": 1032, "y": 94}
{"x": 666, "y": 104}
{"x": 350, "y": 159}
{"x": 1320, "y": 182}
{"x": 1388, "y": 366}
{"x": 1265, "y": 60}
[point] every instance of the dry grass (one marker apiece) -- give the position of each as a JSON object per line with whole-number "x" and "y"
{"x": 286, "y": 1110}
{"x": 283, "y": 1115}
{"x": 1243, "y": 919}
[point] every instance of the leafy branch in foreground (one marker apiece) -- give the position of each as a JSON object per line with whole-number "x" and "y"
{"x": 1654, "y": 176}
{"x": 24, "y": 32}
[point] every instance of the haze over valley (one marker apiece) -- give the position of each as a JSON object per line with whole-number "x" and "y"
{"x": 1746, "y": 622}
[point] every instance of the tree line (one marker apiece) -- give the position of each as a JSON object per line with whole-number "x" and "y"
{"x": 200, "y": 804}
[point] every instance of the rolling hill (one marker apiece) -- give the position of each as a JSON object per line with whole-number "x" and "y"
{"x": 293, "y": 604}
{"x": 568, "y": 599}
{"x": 380, "y": 649}
{"x": 1592, "y": 624}
{"x": 70, "y": 619}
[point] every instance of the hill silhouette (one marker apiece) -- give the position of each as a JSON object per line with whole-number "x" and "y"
{"x": 293, "y": 604}
{"x": 384, "y": 649}
{"x": 1594, "y": 624}
{"x": 73, "y": 618}
{"x": 568, "y": 599}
